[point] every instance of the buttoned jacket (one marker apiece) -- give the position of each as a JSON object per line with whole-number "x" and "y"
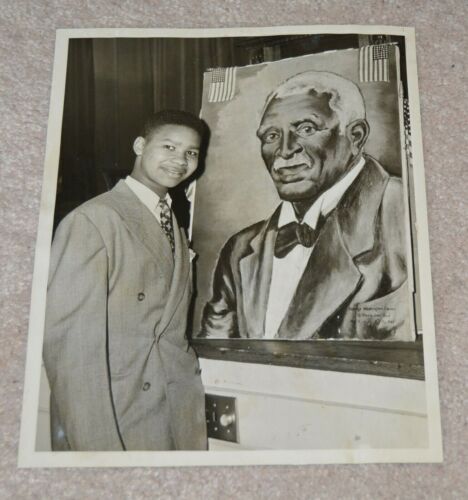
{"x": 121, "y": 371}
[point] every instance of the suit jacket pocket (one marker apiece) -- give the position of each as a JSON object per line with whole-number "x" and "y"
{"x": 180, "y": 361}
{"x": 385, "y": 318}
{"x": 129, "y": 354}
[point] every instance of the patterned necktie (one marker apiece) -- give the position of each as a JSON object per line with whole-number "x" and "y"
{"x": 165, "y": 219}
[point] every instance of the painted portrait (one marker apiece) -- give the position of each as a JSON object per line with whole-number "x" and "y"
{"x": 300, "y": 217}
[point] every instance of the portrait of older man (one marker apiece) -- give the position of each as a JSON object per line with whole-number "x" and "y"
{"x": 331, "y": 261}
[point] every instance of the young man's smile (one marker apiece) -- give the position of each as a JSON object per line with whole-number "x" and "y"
{"x": 167, "y": 157}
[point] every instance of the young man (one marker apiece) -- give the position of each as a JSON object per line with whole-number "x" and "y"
{"x": 121, "y": 372}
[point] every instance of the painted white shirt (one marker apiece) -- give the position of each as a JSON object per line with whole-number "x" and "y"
{"x": 288, "y": 271}
{"x": 149, "y": 198}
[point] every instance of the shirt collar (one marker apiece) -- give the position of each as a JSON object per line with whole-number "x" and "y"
{"x": 325, "y": 203}
{"x": 148, "y": 197}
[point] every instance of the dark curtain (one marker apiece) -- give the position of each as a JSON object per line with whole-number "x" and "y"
{"x": 112, "y": 85}
{"x": 77, "y": 177}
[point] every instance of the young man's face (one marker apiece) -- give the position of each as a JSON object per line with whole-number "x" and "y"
{"x": 168, "y": 156}
{"x": 302, "y": 146}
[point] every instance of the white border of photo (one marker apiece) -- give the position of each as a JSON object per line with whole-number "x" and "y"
{"x": 29, "y": 457}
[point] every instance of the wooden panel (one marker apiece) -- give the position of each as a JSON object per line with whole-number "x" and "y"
{"x": 391, "y": 359}
{"x": 292, "y": 408}
{"x": 332, "y": 388}
{"x": 271, "y": 423}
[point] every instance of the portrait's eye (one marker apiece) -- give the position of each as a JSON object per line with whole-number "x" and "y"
{"x": 270, "y": 136}
{"x": 192, "y": 154}
{"x": 169, "y": 147}
{"x": 306, "y": 129}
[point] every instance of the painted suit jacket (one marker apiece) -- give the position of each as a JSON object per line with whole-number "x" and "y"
{"x": 121, "y": 372}
{"x": 354, "y": 285}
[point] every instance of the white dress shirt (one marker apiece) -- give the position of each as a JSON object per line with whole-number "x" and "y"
{"x": 288, "y": 271}
{"x": 148, "y": 197}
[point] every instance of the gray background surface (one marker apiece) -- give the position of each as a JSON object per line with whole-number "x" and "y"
{"x": 27, "y": 31}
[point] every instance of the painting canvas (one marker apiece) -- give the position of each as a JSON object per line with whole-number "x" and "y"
{"x": 355, "y": 280}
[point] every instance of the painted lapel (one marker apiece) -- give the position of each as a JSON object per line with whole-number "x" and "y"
{"x": 329, "y": 278}
{"x": 358, "y": 210}
{"x": 255, "y": 270}
{"x": 331, "y": 275}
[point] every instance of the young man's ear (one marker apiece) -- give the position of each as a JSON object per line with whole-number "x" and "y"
{"x": 139, "y": 145}
{"x": 357, "y": 132}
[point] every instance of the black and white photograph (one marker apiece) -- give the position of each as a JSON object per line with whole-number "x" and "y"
{"x": 232, "y": 264}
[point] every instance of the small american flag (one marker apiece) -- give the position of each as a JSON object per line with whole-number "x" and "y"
{"x": 373, "y": 63}
{"x": 223, "y": 84}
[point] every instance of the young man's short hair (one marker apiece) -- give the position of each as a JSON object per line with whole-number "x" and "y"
{"x": 173, "y": 117}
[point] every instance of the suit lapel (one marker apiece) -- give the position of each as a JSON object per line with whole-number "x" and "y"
{"x": 141, "y": 222}
{"x": 180, "y": 277}
{"x": 331, "y": 275}
{"x": 255, "y": 270}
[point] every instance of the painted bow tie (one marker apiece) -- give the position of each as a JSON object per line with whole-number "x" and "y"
{"x": 293, "y": 234}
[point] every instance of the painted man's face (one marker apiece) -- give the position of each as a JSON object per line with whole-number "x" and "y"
{"x": 302, "y": 146}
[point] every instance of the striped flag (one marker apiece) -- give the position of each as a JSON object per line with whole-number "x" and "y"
{"x": 373, "y": 63}
{"x": 223, "y": 84}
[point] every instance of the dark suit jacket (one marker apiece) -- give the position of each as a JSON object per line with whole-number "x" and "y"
{"x": 121, "y": 372}
{"x": 354, "y": 285}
